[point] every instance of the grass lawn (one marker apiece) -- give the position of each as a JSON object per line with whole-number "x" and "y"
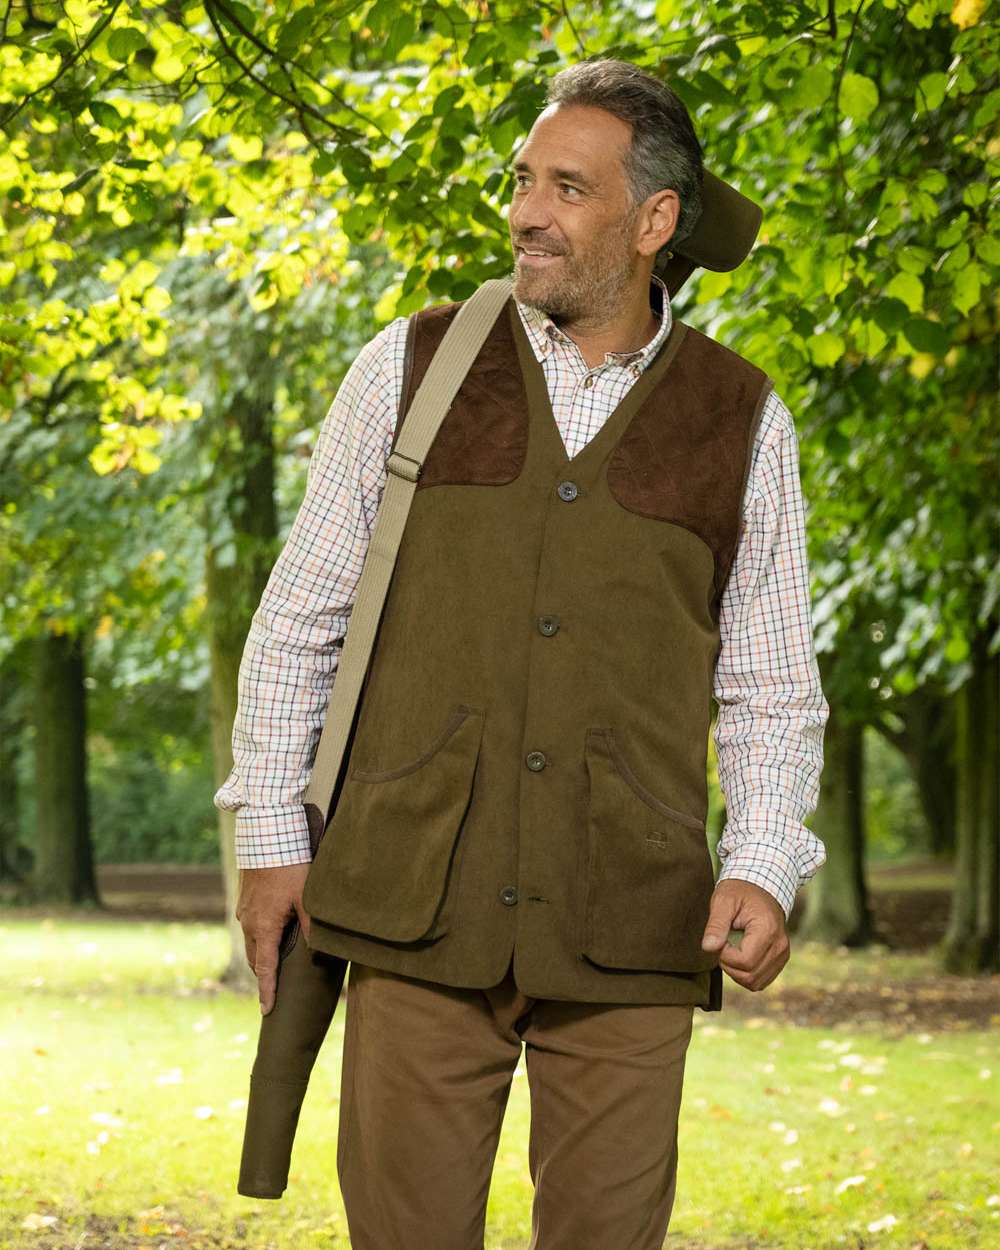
{"x": 125, "y": 1069}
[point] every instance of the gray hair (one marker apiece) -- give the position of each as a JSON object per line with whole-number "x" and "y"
{"x": 664, "y": 151}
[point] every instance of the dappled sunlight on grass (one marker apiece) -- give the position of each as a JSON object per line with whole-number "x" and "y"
{"x": 66, "y": 954}
{"x": 129, "y": 1066}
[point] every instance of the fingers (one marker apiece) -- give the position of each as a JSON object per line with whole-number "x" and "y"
{"x": 759, "y": 959}
{"x": 266, "y": 969}
{"x": 758, "y": 938}
{"x": 758, "y": 978}
{"x": 764, "y": 948}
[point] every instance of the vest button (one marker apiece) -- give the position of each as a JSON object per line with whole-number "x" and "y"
{"x": 548, "y": 625}
{"x": 536, "y": 761}
{"x": 508, "y": 895}
{"x": 567, "y": 491}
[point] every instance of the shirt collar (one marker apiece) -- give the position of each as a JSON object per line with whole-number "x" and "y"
{"x": 543, "y": 333}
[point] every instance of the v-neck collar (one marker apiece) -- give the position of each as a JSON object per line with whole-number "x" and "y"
{"x": 538, "y": 397}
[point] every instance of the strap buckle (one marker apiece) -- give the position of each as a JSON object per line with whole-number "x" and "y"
{"x": 410, "y": 470}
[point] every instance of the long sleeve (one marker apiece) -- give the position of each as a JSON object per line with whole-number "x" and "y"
{"x": 771, "y": 709}
{"x": 290, "y": 657}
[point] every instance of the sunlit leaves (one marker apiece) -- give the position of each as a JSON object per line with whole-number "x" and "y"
{"x": 908, "y": 288}
{"x": 858, "y": 96}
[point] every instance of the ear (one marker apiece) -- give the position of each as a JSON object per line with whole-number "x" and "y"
{"x": 657, "y": 222}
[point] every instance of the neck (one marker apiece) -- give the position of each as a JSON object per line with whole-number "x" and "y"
{"x": 626, "y": 328}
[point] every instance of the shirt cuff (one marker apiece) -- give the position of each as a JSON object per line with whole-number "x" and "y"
{"x": 772, "y": 863}
{"x": 272, "y": 837}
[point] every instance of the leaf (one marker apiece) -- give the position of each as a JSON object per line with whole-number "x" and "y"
{"x": 168, "y": 66}
{"x": 826, "y": 348}
{"x": 966, "y": 13}
{"x": 968, "y": 284}
{"x": 931, "y": 91}
{"x": 975, "y": 194}
{"x": 988, "y": 249}
{"x": 447, "y": 99}
{"x": 908, "y": 288}
{"x": 858, "y": 96}
{"x": 922, "y": 14}
{"x": 813, "y": 87}
{"x": 927, "y": 336}
{"x": 124, "y": 42}
{"x": 105, "y": 114}
{"x": 246, "y": 147}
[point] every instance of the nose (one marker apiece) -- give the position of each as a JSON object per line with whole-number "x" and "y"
{"x": 530, "y": 210}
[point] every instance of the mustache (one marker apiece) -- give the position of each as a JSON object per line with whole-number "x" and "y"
{"x": 539, "y": 245}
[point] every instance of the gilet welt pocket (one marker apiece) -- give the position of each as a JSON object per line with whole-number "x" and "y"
{"x": 649, "y": 874}
{"x": 383, "y": 865}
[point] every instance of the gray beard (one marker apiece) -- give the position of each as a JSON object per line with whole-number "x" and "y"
{"x": 588, "y": 295}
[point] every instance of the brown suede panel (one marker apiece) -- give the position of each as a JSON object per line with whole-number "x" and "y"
{"x": 483, "y": 440}
{"x": 686, "y": 453}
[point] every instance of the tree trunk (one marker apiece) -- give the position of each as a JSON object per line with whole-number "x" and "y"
{"x": 235, "y": 575}
{"x": 15, "y": 862}
{"x": 926, "y": 743}
{"x": 63, "y": 871}
{"x": 836, "y": 900}
{"x": 224, "y": 660}
{"x": 971, "y": 943}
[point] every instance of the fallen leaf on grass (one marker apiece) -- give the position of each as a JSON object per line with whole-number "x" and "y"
{"x": 830, "y": 1106}
{"x": 36, "y": 1221}
{"x": 880, "y": 1226}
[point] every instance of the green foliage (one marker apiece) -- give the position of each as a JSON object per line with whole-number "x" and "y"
{"x": 895, "y": 823}
{"x": 154, "y": 152}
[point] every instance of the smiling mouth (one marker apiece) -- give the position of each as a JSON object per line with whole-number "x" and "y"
{"x": 535, "y": 257}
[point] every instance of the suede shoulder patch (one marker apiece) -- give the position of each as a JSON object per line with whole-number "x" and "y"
{"x": 483, "y": 440}
{"x": 685, "y": 456}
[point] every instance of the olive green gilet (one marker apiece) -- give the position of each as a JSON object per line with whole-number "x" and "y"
{"x": 527, "y": 772}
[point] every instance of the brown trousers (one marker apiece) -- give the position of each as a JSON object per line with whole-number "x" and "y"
{"x": 426, "y": 1072}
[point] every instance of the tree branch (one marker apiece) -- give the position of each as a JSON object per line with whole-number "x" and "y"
{"x": 297, "y": 105}
{"x": 284, "y": 63}
{"x": 67, "y": 64}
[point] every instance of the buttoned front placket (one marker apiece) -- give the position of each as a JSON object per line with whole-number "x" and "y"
{"x": 571, "y": 504}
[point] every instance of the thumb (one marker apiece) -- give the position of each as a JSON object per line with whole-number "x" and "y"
{"x": 720, "y": 920}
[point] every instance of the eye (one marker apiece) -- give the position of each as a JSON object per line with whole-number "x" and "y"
{"x": 568, "y": 188}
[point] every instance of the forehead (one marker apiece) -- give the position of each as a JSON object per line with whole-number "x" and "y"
{"x": 591, "y": 138}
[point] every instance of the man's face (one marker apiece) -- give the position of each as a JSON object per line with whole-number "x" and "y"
{"x": 571, "y": 203}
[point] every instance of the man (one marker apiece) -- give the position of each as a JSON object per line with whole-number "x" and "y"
{"x": 607, "y": 530}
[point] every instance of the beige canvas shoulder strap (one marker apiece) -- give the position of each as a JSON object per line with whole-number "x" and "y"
{"x": 445, "y": 374}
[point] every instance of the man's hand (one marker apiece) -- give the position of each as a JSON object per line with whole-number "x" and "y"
{"x": 764, "y": 949}
{"x": 268, "y": 899}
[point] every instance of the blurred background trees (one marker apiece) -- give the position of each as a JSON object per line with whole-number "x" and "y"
{"x": 208, "y": 208}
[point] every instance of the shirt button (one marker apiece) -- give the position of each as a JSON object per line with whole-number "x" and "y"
{"x": 548, "y": 625}
{"x": 536, "y": 761}
{"x": 508, "y": 895}
{"x": 588, "y": 382}
{"x": 567, "y": 491}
